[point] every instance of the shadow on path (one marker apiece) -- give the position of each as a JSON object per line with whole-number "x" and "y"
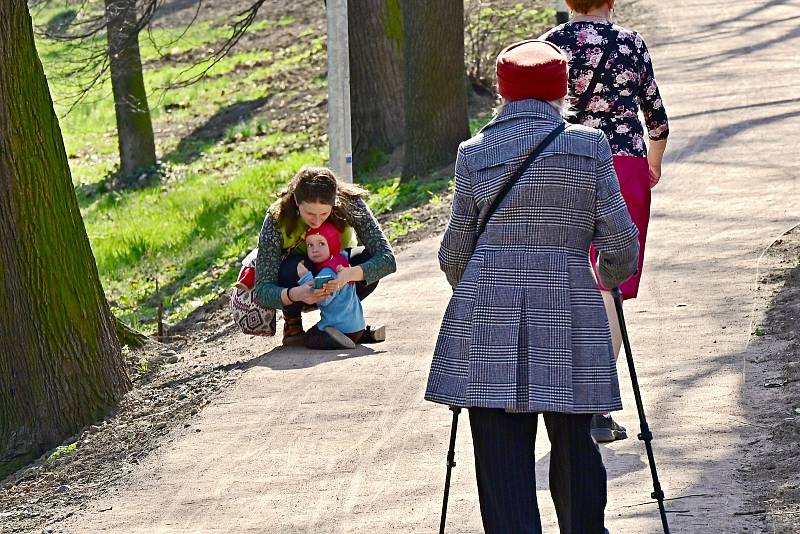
{"x": 783, "y": 102}
{"x": 283, "y": 358}
{"x": 617, "y": 465}
{"x": 716, "y": 137}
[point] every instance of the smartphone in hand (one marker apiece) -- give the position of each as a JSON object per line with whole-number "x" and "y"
{"x": 321, "y": 280}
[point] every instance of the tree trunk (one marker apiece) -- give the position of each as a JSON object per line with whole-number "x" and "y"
{"x": 60, "y": 362}
{"x": 375, "y": 32}
{"x": 435, "y": 84}
{"x": 137, "y": 148}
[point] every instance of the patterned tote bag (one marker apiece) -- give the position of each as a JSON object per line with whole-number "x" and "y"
{"x": 251, "y": 318}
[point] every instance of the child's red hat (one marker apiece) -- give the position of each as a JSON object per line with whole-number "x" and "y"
{"x": 331, "y": 235}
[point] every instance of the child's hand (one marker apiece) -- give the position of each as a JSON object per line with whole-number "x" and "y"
{"x": 301, "y": 270}
{"x": 343, "y": 275}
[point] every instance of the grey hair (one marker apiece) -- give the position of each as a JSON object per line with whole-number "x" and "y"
{"x": 560, "y": 105}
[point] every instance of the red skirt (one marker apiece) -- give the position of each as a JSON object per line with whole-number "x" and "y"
{"x": 633, "y": 174}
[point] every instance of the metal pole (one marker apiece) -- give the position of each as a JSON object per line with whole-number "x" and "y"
{"x": 562, "y": 12}
{"x": 451, "y": 463}
{"x": 339, "y": 140}
{"x": 645, "y": 435}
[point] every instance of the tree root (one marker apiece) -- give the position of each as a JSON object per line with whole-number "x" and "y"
{"x": 128, "y": 336}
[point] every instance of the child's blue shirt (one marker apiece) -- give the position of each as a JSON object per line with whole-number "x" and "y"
{"x": 342, "y": 310}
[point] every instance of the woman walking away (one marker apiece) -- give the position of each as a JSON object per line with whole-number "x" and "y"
{"x": 525, "y": 331}
{"x": 312, "y": 197}
{"x": 611, "y": 78}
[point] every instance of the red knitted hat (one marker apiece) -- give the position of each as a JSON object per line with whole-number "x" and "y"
{"x": 331, "y": 235}
{"x": 532, "y": 69}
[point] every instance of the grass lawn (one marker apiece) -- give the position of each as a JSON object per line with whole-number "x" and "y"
{"x": 226, "y": 145}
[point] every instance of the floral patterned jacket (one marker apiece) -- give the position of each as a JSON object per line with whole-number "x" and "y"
{"x": 626, "y": 84}
{"x": 271, "y": 251}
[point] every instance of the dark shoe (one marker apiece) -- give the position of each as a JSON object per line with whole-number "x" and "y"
{"x": 292, "y": 330}
{"x": 374, "y": 334}
{"x": 342, "y": 340}
{"x": 605, "y": 429}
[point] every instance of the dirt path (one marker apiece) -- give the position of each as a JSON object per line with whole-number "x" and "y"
{"x": 311, "y": 442}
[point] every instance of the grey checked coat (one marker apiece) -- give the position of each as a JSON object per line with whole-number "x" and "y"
{"x": 526, "y": 329}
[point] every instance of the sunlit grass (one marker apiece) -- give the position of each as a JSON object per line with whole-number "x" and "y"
{"x": 187, "y": 238}
{"x": 186, "y": 232}
{"x": 392, "y": 194}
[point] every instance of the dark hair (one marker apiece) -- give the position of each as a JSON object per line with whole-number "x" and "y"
{"x": 316, "y": 184}
{"x": 583, "y": 6}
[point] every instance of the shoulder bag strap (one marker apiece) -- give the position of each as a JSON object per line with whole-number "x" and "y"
{"x": 583, "y": 101}
{"x": 522, "y": 168}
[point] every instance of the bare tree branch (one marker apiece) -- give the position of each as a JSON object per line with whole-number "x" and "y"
{"x": 244, "y": 20}
{"x": 88, "y": 55}
{"x": 158, "y": 47}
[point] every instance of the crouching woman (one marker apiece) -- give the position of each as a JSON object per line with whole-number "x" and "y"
{"x": 313, "y": 197}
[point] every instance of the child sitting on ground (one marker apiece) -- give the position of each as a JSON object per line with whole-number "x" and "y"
{"x": 342, "y": 319}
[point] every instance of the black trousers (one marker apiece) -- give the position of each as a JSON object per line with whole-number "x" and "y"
{"x": 505, "y": 468}
{"x": 287, "y": 277}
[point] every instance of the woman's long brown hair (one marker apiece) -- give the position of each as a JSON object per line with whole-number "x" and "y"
{"x": 316, "y": 184}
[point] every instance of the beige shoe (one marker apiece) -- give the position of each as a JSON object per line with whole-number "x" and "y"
{"x": 374, "y": 334}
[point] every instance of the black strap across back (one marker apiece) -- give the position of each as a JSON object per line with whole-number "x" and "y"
{"x": 522, "y": 168}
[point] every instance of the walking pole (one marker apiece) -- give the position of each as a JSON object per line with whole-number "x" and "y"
{"x": 451, "y": 456}
{"x": 645, "y": 435}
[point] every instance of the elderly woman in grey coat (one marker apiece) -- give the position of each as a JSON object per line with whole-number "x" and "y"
{"x": 526, "y": 331}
